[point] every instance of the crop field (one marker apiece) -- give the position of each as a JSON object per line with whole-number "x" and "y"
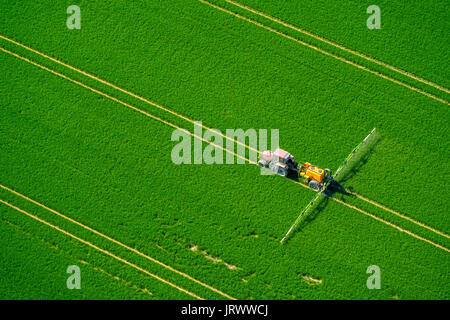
{"x": 87, "y": 176}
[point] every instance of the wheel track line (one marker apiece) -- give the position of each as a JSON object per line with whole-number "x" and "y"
{"x": 376, "y": 204}
{"x": 94, "y": 267}
{"x": 391, "y": 224}
{"x": 336, "y": 45}
{"x": 156, "y": 118}
{"x": 101, "y": 250}
{"x": 123, "y": 103}
{"x": 111, "y": 85}
{"x": 429, "y": 95}
{"x": 118, "y": 243}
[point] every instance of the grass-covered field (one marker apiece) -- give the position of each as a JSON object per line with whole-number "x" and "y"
{"x": 213, "y": 231}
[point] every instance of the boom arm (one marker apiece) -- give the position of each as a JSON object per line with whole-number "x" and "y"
{"x": 321, "y": 195}
{"x": 304, "y": 213}
{"x": 352, "y": 154}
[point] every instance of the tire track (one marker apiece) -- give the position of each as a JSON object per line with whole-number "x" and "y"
{"x": 341, "y": 47}
{"x": 376, "y": 204}
{"x": 332, "y": 55}
{"x": 94, "y": 267}
{"x": 118, "y": 243}
{"x": 123, "y": 103}
{"x": 391, "y": 224}
{"x": 102, "y": 250}
{"x": 111, "y": 85}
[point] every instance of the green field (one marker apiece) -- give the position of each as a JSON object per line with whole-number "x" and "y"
{"x": 214, "y": 230}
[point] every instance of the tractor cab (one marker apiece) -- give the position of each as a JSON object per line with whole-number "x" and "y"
{"x": 284, "y": 157}
{"x": 279, "y": 161}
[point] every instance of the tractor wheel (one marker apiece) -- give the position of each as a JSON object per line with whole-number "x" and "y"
{"x": 282, "y": 172}
{"x": 315, "y": 185}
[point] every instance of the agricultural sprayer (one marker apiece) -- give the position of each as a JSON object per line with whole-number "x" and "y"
{"x": 283, "y": 163}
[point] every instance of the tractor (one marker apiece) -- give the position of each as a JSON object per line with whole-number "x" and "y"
{"x": 282, "y": 162}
